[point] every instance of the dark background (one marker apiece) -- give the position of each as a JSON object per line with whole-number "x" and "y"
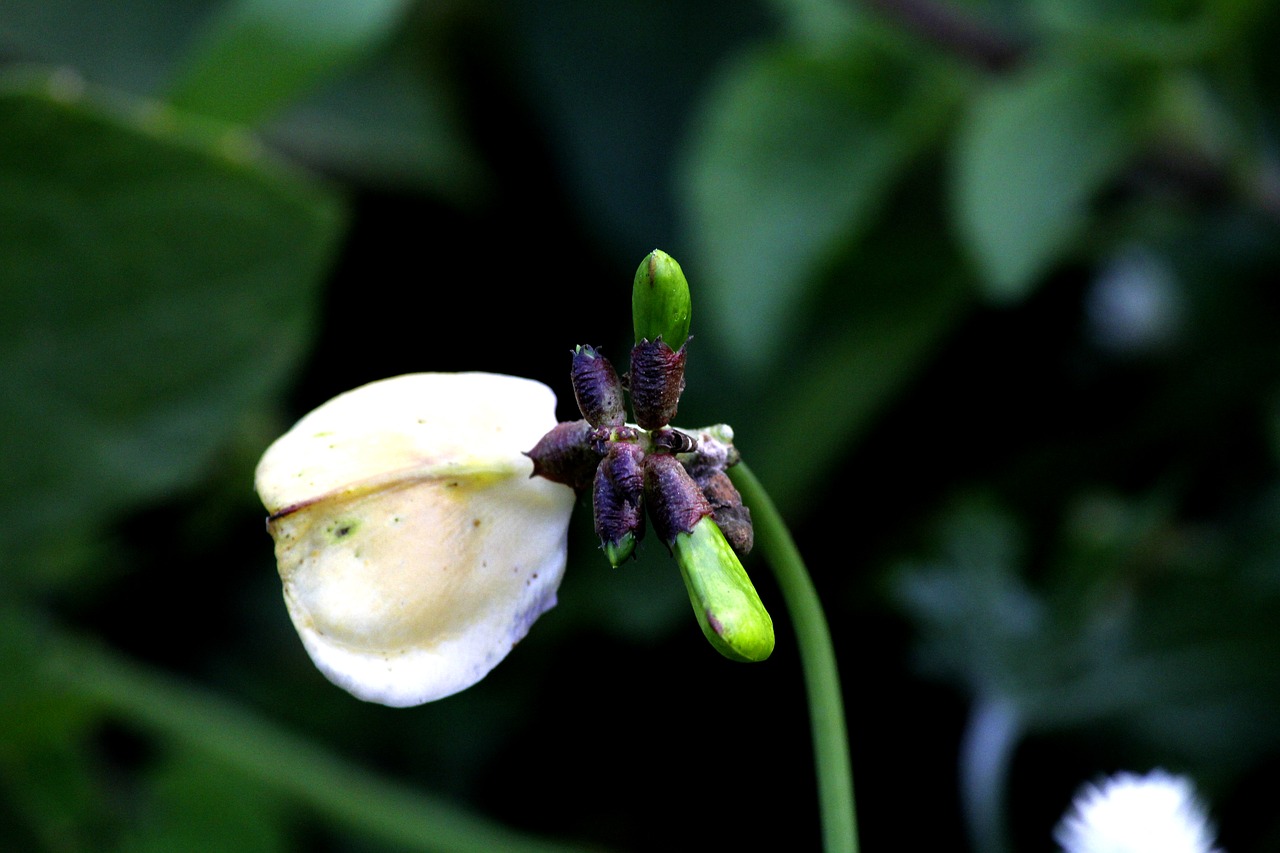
{"x": 986, "y": 291}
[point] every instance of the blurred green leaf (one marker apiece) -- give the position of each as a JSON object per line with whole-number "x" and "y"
{"x": 887, "y": 309}
{"x": 55, "y": 798}
{"x": 131, "y": 45}
{"x": 1034, "y": 151}
{"x": 191, "y": 807}
{"x": 790, "y": 163}
{"x": 1170, "y": 643}
{"x": 50, "y": 792}
{"x": 390, "y": 121}
{"x": 257, "y": 55}
{"x": 381, "y": 114}
{"x": 221, "y": 764}
{"x": 614, "y": 86}
{"x": 849, "y": 377}
{"x": 160, "y": 281}
{"x": 1148, "y": 29}
{"x": 225, "y": 735}
{"x": 972, "y": 605}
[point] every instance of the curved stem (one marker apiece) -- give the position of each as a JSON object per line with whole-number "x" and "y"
{"x": 817, "y": 659}
{"x": 985, "y": 754}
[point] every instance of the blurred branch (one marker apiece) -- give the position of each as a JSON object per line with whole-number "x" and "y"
{"x": 957, "y": 33}
{"x": 951, "y": 30}
{"x": 340, "y": 792}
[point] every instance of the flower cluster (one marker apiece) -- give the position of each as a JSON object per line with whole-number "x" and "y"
{"x": 650, "y": 469}
{"x": 421, "y": 522}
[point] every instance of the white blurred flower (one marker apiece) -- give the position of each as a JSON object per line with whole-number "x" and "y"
{"x": 414, "y": 546}
{"x": 1156, "y": 813}
{"x": 1136, "y": 305}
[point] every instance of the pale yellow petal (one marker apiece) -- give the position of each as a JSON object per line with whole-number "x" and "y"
{"x": 414, "y": 547}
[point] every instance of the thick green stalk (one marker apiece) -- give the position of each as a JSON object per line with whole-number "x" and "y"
{"x": 818, "y": 660}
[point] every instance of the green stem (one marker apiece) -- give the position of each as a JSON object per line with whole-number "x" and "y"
{"x": 818, "y": 660}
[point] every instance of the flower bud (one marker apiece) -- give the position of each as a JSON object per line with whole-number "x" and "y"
{"x": 597, "y": 388}
{"x": 660, "y": 306}
{"x": 568, "y": 454}
{"x": 618, "y": 499}
{"x": 733, "y": 519}
{"x": 657, "y": 380}
{"x": 675, "y": 502}
{"x": 729, "y": 611}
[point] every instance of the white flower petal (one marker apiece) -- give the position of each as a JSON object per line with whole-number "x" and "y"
{"x": 1156, "y": 813}
{"x": 414, "y": 547}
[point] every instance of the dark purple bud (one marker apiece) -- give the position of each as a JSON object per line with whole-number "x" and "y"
{"x": 657, "y": 380}
{"x": 675, "y": 502}
{"x": 597, "y": 388}
{"x": 568, "y": 454}
{"x": 733, "y": 519}
{"x": 618, "y": 499}
{"x": 674, "y": 441}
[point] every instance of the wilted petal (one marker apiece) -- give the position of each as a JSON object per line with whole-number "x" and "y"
{"x": 414, "y": 546}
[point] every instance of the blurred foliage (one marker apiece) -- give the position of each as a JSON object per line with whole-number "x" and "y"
{"x": 984, "y": 288}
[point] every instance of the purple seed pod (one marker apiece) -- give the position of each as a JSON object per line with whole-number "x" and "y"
{"x": 597, "y": 388}
{"x": 618, "y": 500}
{"x": 657, "y": 380}
{"x": 732, "y": 517}
{"x": 568, "y": 454}
{"x": 674, "y": 500}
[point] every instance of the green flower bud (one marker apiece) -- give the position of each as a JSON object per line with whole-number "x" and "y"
{"x": 660, "y": 300}
{"x": 729, "y": 611}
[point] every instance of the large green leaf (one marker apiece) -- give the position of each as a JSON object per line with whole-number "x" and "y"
{"x": 791, "y": 161}
{"x": 159, "y": 280}
{"x": 130, "y": 45}
{"x": 377, "y": 109}
{"x": 1033, "y": 153}
{"x": 258, "y": 55}
{"x": 390, "y": 121}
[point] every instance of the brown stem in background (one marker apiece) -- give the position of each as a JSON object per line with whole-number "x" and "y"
{"x": 953, "y": 31}
{"x": 961, "y": 35}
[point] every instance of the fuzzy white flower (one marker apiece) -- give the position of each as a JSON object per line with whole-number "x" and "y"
{"x": 414, "y": 546}
{"x": 1156, "y": 813}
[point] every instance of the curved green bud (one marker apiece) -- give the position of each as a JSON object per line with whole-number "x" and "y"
{"x": 726, "y": 604}
{"x": 660, "y": 300}
{"x": 619, "y": 552}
